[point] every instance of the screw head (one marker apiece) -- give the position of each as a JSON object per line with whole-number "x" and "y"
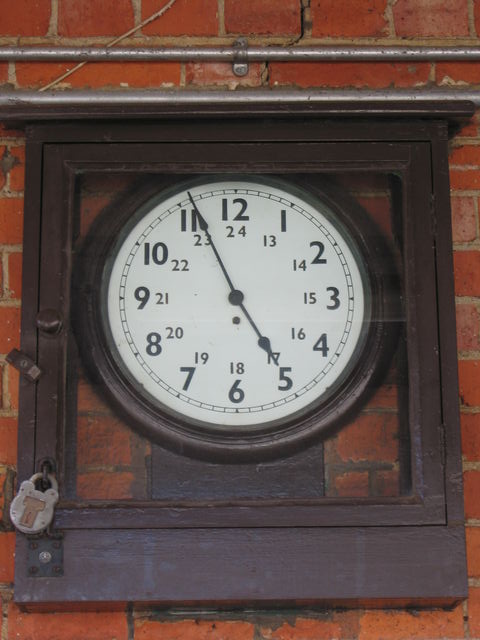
{"x": 45, "y": 557}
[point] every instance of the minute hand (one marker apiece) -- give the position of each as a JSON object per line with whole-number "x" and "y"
{"x": 236, "y": 296}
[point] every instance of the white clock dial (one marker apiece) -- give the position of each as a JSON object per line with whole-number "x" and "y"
{"x": 236, "y": 302}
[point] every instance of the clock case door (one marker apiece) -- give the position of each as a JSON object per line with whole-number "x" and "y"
{"x": 284, "y": 549}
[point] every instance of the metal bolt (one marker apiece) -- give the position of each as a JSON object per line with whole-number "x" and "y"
{"x": 45, "y": 557}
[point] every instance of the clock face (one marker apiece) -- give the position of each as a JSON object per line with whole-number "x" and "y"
{"x": 235, "y": 310}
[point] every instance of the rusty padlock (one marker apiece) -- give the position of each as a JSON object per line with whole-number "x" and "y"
{"x": 31, "y": 510}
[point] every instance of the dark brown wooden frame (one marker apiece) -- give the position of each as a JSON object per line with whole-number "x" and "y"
{"x": 404, "y": 550}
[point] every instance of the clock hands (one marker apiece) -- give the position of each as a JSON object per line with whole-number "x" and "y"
{"x": 235, "y": 296}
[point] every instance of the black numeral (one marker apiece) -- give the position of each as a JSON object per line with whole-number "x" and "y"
{"x": 240, "y": 232}
{"x": 309, "y": 297}
{"x": 273, "y": 357}
{"x": 142, "y": 294}
{"x": 288, "y": 382}
{"x": 298, "y": 334}
{"x": 240, "y": 215}
{"x": 299, "y": 265}
{"x": 180, "y": 265}
{"x": 184, "y": 220}
{"x": 174, "y": 332}
{"x": 321, "y": 345}
{"x": 334, "y": 293}
{"x": 201, "y": 358}
{"x": 158, "y": 253}
{"x": 189, "y": 371}
{"x": 236, "y": 394}
{"x": 269, "y": 241}
{"x": 321, "y": 248}
{"x": 162, "y": 298}
{"x": 237, "y": 367}
{"x": 283, "y": 220}
{"x": 154, "y": 347}
{"x": 199, "y": 241}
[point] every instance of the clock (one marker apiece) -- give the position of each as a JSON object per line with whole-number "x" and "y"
{"x": 235, "y": 317}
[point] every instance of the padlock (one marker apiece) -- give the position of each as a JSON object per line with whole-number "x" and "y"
{"x": 31, "y": 510}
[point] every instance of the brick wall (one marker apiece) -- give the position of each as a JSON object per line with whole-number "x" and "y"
{"x": 440, "y": 22}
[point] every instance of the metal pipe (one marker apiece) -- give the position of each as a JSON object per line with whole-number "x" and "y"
{"x": 28, "y": 104}
{"x": 248, "y": 54}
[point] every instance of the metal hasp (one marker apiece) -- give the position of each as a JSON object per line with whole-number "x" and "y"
{"x": 45, "y": 557}
{"x": 240, "y": 59}
{"x": 24, "y": 364}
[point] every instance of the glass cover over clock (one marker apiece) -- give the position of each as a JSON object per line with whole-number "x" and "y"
{"x": 240, "y": 315}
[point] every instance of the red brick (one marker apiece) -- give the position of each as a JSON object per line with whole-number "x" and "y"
{"x": 471, "y": 492}
{"x": 102, "y": 441}
{"x": 132, "y": 74}
{"x": 10, "y": 333}
{"x": 5, "y": 129}
{"x": 185, "y": 17}
{"x": 380, "y": 211}
{"x": 470, "y": 423}
{"x": 387, "y": 483}
{"x": 101, "y": 74}
{"x": 3, "y": 156}
{"x": 476, "y": 9}
{"x": 466, "y": 272}
{"x": 333, "y": 625}
{"x": 38, "y": 74}
{"x": 90, "y": 207}
{"x": 89, "y": 18}
{"x": 3, "y": 73}
{"x": 474, "y": 612}
{"x": 14, "y": 275}
{"x": 11, "y": 220}
{"x": 431, "y": 17}
{"x": 7, "y": 554}
{"x": 406, "y": 625}
{"x": 267, "y": 17}
{"x": 17, "y": 172}
{"x": 464, "y": 180}
{"x": 343, "y": 18}
{"x": 3, "y": 492}
{"x": 469, "y": 129}
{"x": 193, "y": 630}
{"x": 221, "y": 75}
{"x": 88, "y": 399}
{"x": 469, "y": 382}
{"x": 468, "y": 154}
{"x": 352, "y": 484}
{"x": 464, "y": 220}
{"x": 370, "y": 437}
{"x": 66, "y": 626}
{"x": 473, "y": 550}
{"x": 8, "y": 441}
{"x": 386, "y": 397}
{"x": 100, "y": 485}
{"x": 25, "y": 17}
{"x": 13, "y": 385}
{"x": 461, "y": 72}
{"x": 468, "y": 327}
{"x": 344, "y": 74}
